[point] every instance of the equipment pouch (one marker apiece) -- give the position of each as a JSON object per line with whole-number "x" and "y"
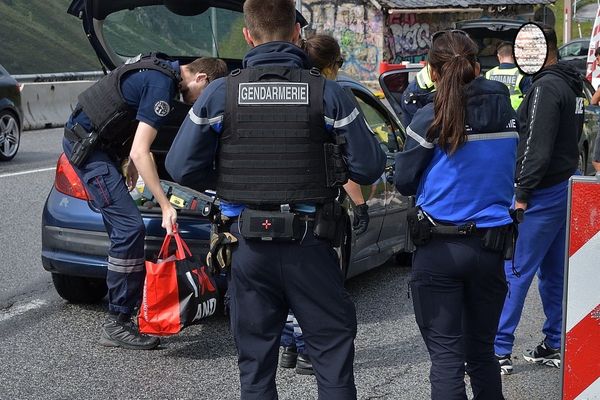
{"x": 268, "y": 225}
{"x": 83, "y": 146}
{"x": 330, "y": 223}
{"x": 335, "y": 166}
{"x": 419, "y": 226}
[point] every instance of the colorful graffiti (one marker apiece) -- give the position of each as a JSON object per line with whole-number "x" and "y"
{"x": 409, "y": 37}
{"x": 357, "y": 25}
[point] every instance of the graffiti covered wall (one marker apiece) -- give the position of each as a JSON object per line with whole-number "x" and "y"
{"x": 358, "y": 27}
{"x": 408, "y": 36}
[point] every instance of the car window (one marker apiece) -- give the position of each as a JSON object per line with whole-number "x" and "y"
{"x": 384, "y": 128}
{"x": 571, "y": 50}
{"x": 216, "y": 32}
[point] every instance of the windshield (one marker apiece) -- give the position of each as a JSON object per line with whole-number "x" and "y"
{"x": 216, "y": 32}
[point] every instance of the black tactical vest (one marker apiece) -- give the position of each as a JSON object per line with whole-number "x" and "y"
{"x": 112, "y": 118}
{"x": 271, "y": 150}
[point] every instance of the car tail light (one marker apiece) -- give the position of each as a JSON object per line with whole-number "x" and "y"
{"x": 67, "y": 181}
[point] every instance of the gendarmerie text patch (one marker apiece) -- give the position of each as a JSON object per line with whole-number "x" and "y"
{"x": 273, "y": 93}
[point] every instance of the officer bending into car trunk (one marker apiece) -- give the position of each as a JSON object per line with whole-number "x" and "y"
{"x": 266, "y": 127}
{"x": 119, "y": 116}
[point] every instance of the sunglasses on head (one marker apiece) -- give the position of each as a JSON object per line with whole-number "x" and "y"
{"x": 437, "y": 34}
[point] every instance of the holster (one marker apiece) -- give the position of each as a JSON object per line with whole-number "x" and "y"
{"x": 84, "y": 143}
{"x": 498, "y": 239}
{"x": 419, "y": 227}
{"x": 330, "y": 223}
{"x": 335, "y": 167}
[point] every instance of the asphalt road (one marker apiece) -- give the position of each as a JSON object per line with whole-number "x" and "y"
{"x": 48, "y": 347}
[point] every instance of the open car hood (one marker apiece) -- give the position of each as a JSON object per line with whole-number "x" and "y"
{"x": 119, "y": 29}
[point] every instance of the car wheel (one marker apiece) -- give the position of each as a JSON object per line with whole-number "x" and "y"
{"x": 582, "y": 163}
{"x": 77, "y": 289}
{"x": 10, "y": 135}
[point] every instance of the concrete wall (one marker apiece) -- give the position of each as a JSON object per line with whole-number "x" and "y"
{"x": 49, "y": 104}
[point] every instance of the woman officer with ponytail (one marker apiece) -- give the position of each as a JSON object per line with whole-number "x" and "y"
{"x": 459, "y": 162}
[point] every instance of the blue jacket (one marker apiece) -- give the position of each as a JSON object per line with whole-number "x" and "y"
{"x": 191, "y": 159}
{"x": 476, "y": 182}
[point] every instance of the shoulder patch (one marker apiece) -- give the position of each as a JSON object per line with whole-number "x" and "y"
{"x": 162, "y": 108}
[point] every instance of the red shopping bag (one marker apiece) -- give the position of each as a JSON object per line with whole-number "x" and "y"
{"x": 177, "y": 291}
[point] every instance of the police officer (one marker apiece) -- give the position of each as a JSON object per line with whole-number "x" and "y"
{"x": 462, "y": 220}
{"x": 266, "y": 127}
{"x": 551, "y": 123}
{"x": 508, "y": 73}
{"x": 418, "y": 93}
{"x": 118, "y": 116}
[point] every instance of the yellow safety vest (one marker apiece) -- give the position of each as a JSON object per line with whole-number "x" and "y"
{"x": 424, "y": 80}
{"x": 511, "y": 77}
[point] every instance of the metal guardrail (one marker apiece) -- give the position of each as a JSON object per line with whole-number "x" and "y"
{"x": 59, "y": 77}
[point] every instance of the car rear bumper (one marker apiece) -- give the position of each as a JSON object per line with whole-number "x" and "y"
{"x": 74, "y": 241}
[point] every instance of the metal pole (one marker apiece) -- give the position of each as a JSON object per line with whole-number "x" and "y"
{"x": 568, "y": 17}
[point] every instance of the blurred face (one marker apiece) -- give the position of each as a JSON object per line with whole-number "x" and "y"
{"x": 191, "y": 85}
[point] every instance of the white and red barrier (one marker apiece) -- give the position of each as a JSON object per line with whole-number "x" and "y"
{"x": 581, "y": 302}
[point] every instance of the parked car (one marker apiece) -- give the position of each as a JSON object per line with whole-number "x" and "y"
{"x": 575, "y": 53}
{"x": 11, "y": 119}
{"x": 74, "y": 241}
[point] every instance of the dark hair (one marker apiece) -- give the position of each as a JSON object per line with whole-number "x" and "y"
{"x": 323, "y": 51}
{"x": 505, "y": 49}
{"x": 270, "y": 20}
{"x": 551, "y": 39}
{"x": 597, "y": 52}
{"x": 214, "y": 68}
{"x": 453, "y": 58}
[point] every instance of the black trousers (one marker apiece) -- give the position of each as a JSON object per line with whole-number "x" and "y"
{"x": 267, "y": 279}
{"x": 458, "y": 290}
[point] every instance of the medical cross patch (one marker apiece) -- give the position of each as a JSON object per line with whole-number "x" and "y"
{"x": 161, "y": 108}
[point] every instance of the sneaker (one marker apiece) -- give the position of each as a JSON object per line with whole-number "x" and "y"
{"x": 120, "y": 331}
{"x": 506, "y": 367}
{"x": 288, "y": 357}
{"x": 543, "y": 354}
{"x": 304, "y": 365}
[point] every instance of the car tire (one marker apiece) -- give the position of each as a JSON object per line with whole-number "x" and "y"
{"x": 77, "y": 289}
{"x": 10, "y": 135}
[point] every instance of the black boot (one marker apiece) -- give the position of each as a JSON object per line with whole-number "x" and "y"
{"x": 288, "y": 357}
{"x": 304, "y": 365}
{"x": 120, "y": 331}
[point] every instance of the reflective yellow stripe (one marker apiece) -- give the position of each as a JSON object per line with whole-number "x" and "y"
{"x": 424, "y": 80}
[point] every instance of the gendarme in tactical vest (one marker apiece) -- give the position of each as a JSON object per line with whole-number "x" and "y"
{"x": 273, "y": 147}
{"x": 112, "y": 118}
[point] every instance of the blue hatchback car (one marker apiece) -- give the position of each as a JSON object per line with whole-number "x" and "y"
{"x": 74, "y": 240}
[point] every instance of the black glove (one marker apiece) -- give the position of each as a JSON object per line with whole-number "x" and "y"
{"x": 361, "y": 219}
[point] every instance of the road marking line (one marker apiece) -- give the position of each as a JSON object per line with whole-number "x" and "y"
{"x": 21, "y": 309}
{"x": 32, "y": 171}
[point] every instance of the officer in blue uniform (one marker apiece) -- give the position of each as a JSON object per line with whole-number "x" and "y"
{"x": 119, "y": 116}
{"x": 266, "y": 127}
{"x": 461, "y": 221}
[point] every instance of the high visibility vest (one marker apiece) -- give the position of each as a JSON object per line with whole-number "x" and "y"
{"x": 424, "y": 79}
{"x": 511, "y": 77}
